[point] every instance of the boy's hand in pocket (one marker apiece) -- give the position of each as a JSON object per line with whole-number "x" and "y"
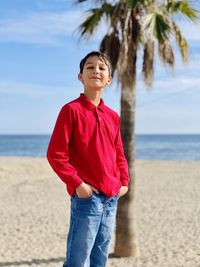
{"x": 123, "y": 190}
{"x": 85, "y": 190}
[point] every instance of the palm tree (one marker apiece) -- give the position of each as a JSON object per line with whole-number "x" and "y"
{"x": 133, "y": 25}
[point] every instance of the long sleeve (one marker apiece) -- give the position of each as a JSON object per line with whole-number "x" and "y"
{"x": 120, "y": 158}
{"x": 58, "y": 152}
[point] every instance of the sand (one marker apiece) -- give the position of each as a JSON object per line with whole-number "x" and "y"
{"x": 34, "y": 214}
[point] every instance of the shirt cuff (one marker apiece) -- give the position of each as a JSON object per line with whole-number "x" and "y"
{"x": 124, "y": 181}
{"x": 75, "y": 182}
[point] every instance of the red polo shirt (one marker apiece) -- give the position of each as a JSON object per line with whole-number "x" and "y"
{"x": 86, "y": 146}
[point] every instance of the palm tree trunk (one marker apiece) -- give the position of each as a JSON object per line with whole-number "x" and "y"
{"x": 126, "y": 242}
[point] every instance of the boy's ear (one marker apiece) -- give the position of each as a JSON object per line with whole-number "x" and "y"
{"x": 80, "y": 77}
{"x": 109, "y": 80}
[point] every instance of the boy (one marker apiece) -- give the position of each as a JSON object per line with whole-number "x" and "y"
{"x": 86, "y": 152}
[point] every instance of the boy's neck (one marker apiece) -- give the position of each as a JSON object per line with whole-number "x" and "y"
{"x": 93, "y": 96}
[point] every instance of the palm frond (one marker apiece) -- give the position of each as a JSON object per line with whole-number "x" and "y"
{"x": 93, "y": 20}
{"x": 136, "y": 3}
{"x": 184, "y": 8}
{"x": 81, "y": 1}
{"x": 166, "y": 53}
{"x": 158, "y": 26}
{"x": 181, "y": 41}
{"x": 126, "y": 66}
{"x": 111, "y": 46}
{"x": 148, "y": 62}
{"x": 137, "y": 33}
{"x": 134, "y": 22}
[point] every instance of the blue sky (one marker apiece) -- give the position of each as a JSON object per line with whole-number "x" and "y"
{"x": 40, "y": 53}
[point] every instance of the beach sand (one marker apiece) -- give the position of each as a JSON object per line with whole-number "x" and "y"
{"x": 34, "y": 214}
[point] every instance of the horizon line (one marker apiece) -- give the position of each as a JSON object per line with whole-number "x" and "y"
{"x": 1, "y": 134}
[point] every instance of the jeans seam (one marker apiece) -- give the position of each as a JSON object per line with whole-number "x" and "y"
{"x": 72, "y": 239}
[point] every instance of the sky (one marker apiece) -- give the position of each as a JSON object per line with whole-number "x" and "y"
{"x": 40, "y": 51}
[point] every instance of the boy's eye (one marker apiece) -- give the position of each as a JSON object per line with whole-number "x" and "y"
{"x": 92, "y": 67}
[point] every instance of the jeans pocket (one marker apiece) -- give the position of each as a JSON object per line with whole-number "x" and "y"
{"x": 83, "y": 198}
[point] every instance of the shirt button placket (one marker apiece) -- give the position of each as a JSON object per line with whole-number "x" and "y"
{"x": 98, "y": 117}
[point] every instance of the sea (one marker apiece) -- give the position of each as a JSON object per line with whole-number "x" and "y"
{"x": 148, "y": 146}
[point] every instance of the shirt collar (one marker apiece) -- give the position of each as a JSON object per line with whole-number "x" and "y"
{"x": 90, "y": 105}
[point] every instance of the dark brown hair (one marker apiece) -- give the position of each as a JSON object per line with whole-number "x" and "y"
{"x": 101, "y": 56}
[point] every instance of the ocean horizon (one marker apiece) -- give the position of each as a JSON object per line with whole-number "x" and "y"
{"x": 184, "y": 147}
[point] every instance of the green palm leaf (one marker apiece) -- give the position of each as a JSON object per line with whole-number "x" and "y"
{"x": 136, "y": 3}
{"x": 93, "y": 20}
{"x": 184, "y": 8}
{"x": 158, "y": 26}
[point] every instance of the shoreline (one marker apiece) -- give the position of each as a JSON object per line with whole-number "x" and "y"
{"x": 136, "y": 160}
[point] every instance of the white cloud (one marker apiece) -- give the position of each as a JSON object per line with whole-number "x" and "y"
{"x": 40, "y": 28}
{"x": 50, "y": 27}
{"x": 167, "y": 89}
{"x": 176, "y": 84}
{"x": 49, "y": 4}
{"x": 14, "y": 88}
{"x": 172, "y": 106}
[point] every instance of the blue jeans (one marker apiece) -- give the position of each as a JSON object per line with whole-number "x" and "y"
{"x": 91, "y": 227}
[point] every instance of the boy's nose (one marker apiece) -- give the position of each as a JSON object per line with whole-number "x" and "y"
{"x": 96, "y": 70}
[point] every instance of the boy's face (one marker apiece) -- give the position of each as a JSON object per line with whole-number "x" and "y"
{"x": 95, "y": 74}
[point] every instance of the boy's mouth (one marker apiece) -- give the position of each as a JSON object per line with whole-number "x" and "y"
{"x": 95, "y": 78}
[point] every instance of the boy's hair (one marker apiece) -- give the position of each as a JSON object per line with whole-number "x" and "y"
{"x": 101, "y": 56}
